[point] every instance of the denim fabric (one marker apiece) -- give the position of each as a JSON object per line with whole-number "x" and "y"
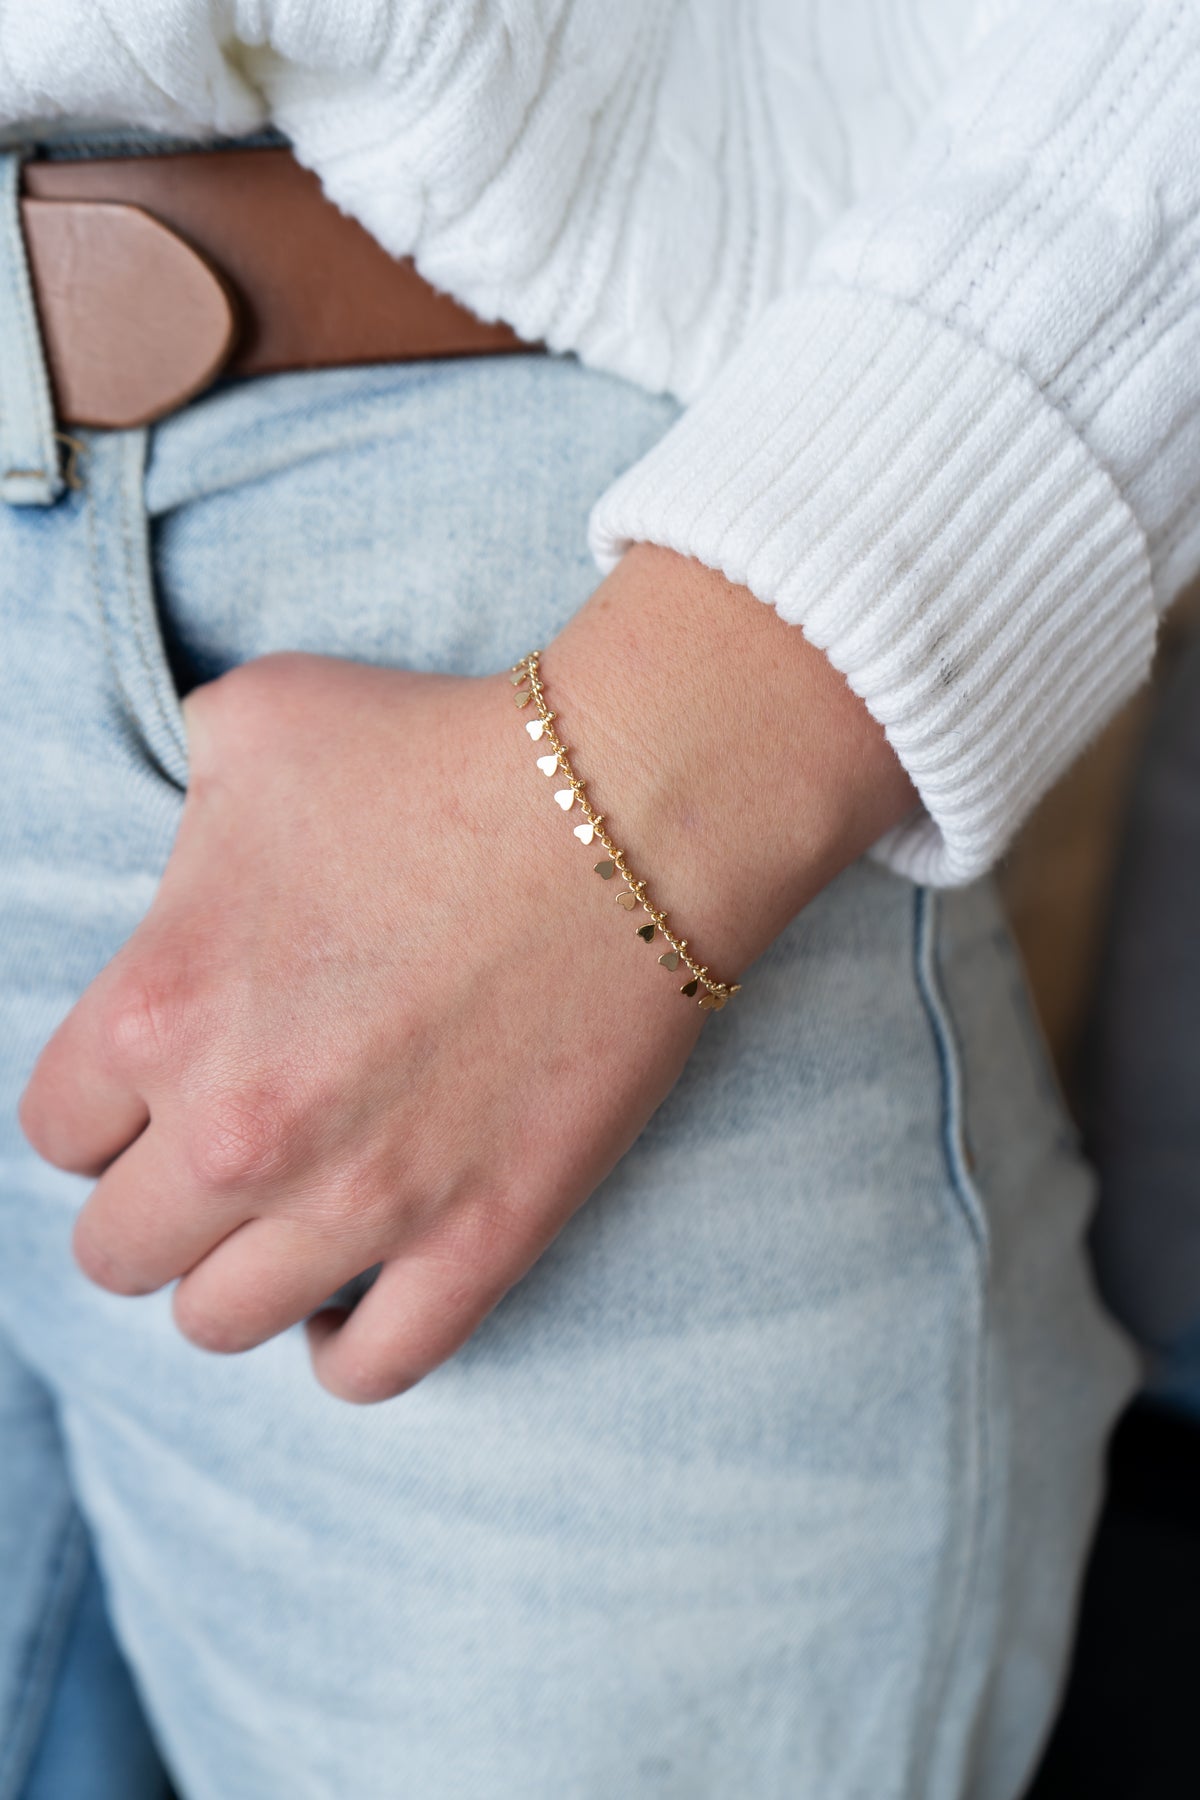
{"x": 774, "y": 1477}
{"x": 94, "y": 1743}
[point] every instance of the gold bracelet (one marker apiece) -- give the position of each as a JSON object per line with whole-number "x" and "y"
{"x": 526, "y": 677}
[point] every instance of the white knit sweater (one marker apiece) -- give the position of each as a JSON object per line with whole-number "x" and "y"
{"x": 928, "y": 272}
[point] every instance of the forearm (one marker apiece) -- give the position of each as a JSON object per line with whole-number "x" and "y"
{"x": 733, "y": 765}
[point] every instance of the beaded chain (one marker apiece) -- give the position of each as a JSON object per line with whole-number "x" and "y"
{"x": 526, "y": 678}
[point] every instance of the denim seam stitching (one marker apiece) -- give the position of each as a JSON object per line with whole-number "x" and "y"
{"x": 927, "y": 977}
{"x": 136, "y": 595}
{"x": 35, "y": 1685}
{"x": 106, "y": 637}
{"x": 129, "y": 700}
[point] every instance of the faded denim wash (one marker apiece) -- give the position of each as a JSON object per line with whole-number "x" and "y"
{"x": 773, "y": 1479}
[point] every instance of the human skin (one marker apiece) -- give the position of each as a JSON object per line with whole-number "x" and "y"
{"x": 381, "y": 1010}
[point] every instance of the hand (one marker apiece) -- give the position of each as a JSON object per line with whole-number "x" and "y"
{"x": 375, "y": 1014}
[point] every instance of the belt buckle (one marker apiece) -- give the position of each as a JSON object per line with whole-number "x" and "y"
{"x": 134, "y": 320}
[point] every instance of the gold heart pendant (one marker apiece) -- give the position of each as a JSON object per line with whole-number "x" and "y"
{"x": 535, "y": 728}
{"x": 520, "y": 678}
{"x": 712, "y": 1002}
{"x": 670, "y": 960}
{"x": 585, "y": 832}
{"x": 646, "y": 932}
{"x": 627, "y": 900}
{"x": 689, "y": 988}
{"x": 547, "y": 764}
{"x": 605, "y": 870}
{"x": 523, "y": 699}
{"x": 565, "y": 798}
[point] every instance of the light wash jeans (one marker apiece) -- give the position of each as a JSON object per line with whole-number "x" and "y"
{"x": 774, "y": 1478}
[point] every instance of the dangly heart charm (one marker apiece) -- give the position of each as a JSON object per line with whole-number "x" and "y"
{"x": 585, "y": 832}
{"x": 669, "y": 959}
{"x": 565, "y": 798}
{"x": 627, "y": 899}
{"x": 535, "y": 728}
{"x": 547, "y": 764}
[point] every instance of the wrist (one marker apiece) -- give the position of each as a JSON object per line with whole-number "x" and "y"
{"x": 733, "y": 765}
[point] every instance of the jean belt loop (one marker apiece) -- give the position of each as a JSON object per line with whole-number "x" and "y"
{"x": 29, "y": 462}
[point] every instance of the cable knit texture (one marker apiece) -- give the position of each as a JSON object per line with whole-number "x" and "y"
{"x": 927, "y": 270}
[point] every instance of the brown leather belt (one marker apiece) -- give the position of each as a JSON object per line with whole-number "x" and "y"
{"x": 155, "y": 274}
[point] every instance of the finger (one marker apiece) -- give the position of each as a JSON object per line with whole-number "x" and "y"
{"x": 145, "y": 1222}
{"x": 81, "y": 1106}
{"x": 420, "y": 1310}
{"x": 268, "y": 1275}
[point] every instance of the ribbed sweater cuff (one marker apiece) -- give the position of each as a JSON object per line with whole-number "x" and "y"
{"x": 933, "y": 524}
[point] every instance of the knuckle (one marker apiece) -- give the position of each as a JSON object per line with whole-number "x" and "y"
{"x": 105, "y": 1268}
{"x": 239, "y": 1141}
{"x": 224, "y": 1331}
{"x": 142, "y": 1020}
{"x": 253, "y": 683}
{"x": 34, "y": 1121}
{"x": 240, "y": 705}
{"x": 365, "y": 1381}
{"x": 485, "y": 1236}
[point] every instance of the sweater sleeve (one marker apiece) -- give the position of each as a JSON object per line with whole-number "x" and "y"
{"x": 964, "y": 455}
